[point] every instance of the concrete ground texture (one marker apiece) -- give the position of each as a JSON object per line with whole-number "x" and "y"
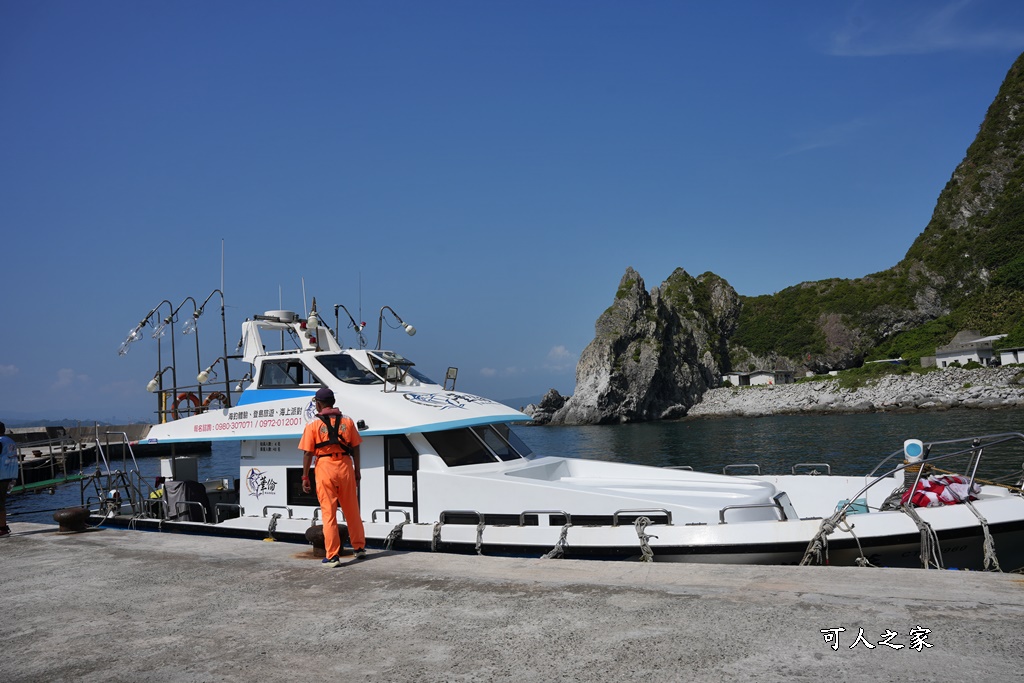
{"x": 114, "y": 605}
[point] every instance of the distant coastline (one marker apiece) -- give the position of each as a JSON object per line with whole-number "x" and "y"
{"x": 952, "y": 388}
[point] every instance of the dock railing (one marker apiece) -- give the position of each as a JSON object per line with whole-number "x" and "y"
{"x": 34, "y": 464}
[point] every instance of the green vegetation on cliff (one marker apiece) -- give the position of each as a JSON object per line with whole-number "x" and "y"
{"x": 964, "y": 271}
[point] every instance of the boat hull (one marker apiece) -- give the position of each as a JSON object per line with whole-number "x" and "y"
{"x": 959, "y": 547}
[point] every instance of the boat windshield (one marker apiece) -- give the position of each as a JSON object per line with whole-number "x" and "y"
{"x": 347, "y": 370}
{"x": 382, "y": 360}
{"x": 513, "y": 439}
{"x": 476, "y": 445}
{"x": 420, "y": 376}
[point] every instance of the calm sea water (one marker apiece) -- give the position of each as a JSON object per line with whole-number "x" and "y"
{"x": 851, "y": 444}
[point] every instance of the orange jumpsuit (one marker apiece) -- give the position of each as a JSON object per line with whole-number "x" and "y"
{"x": 335, "y": 480}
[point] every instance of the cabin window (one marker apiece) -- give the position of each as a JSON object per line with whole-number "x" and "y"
{"x": 285, "y": 373}
{"x": 459, "y": 447}
{"x": 513, "y": 439}
{"x": 346, "y": 369}
{"x": 498, "y": 444}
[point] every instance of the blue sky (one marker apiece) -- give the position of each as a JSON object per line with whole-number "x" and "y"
{"x": 486, "y": 169}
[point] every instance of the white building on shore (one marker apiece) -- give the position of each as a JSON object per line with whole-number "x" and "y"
{"x": 759, "y": 377}
{"x": 1011, "y": 356}
{"x": 967, "y": 346}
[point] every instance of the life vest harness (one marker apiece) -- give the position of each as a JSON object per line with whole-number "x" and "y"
{"x": 333, "y": 435}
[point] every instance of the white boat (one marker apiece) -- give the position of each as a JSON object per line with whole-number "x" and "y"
{"x": 444, "y": 471}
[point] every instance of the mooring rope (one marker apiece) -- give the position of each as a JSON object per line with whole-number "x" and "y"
{"x": 559, "y": 550}
{"x": 845, "y": 526}
{"x": 272, "y": 527}
{"x": 989, "y": 544}
{"x": 480, "y": 538}
{"x": 931, "y": 553}
{"x": 436, "y": 538}
{"x": 817, "y": 548}
{"x": 394, "y": 535}
{"x": 646, "y": 554}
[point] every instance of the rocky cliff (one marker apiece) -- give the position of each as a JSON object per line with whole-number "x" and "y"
{"x": 654, "y": 354}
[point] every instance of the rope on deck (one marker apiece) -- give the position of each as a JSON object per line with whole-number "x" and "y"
{"x": 892, "y": 502}
{"x": 646, "y": 554}
{"x": 558, "y": 551}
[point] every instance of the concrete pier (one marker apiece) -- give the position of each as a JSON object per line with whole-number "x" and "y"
{"x": 112, "y": 605}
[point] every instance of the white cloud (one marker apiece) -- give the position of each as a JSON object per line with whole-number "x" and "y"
{"x": 830, "y": 136}
{"x": 66, "y": 377}
{"x": 504, "y": 372}
{"x": 938, "y": 28}
{"x": 8, "y": 370}
{"x": 560, "y": 359}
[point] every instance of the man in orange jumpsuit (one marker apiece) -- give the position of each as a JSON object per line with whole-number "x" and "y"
{"x": 334, "y": 440}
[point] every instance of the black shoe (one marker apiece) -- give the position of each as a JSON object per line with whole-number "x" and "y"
{"x": 360, "y": 554}
{"x": 331, "y": 562}
{"x": 5, "y": 531}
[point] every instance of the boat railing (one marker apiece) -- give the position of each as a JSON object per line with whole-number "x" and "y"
{"x": 278, "y": 507}
{"x": 814, "y": 467}
{"x": 524, "y": 513}
{"x": 191, "y": 399}
{"x": 776, "y": 505}
{"x": 107, "y": 487}
{"x": 217, "y": 509}
{"x": 188, "y": 505}
{"x": 126, "y": 449}
{"x": 974, "y": 447}
{"x": 161, "y": 508}
{"x": 387, "y": 514}
{"x": 136, "y": 488}
{"x": 642, "y": 511}
{"x": 445, "y": 513}
{"x": 725, "y": 470}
